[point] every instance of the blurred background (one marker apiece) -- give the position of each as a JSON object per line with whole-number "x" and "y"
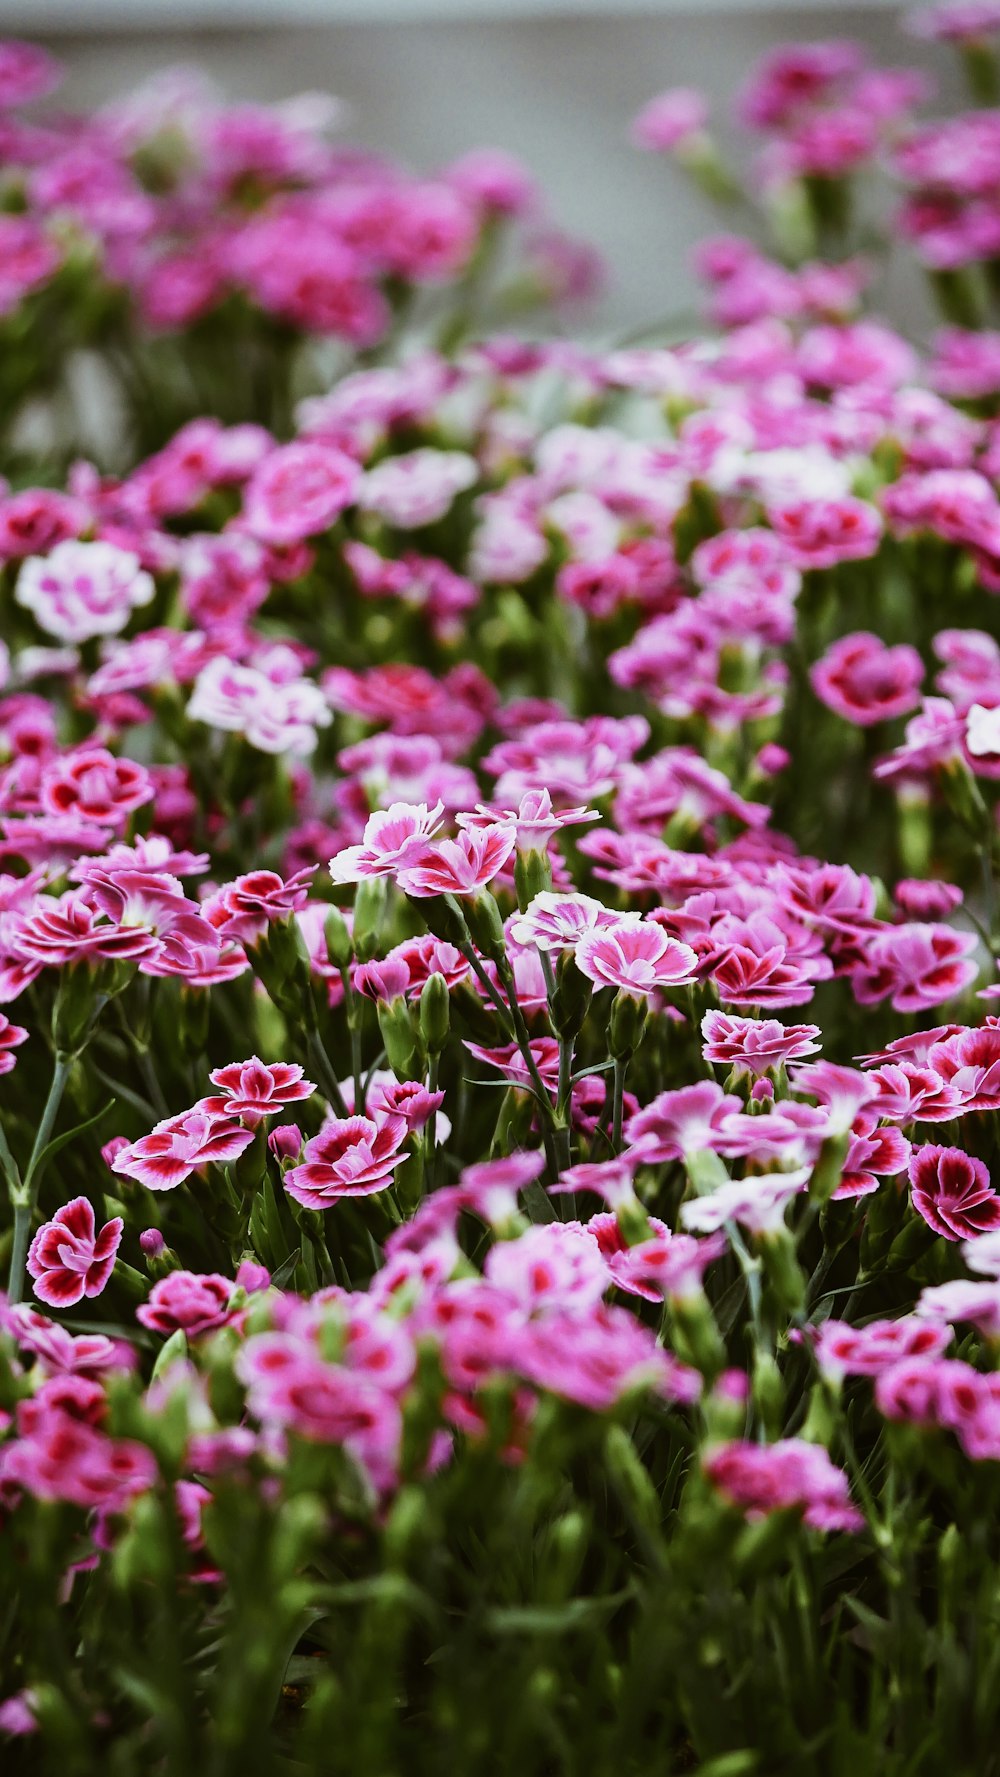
{"x": 554, "y": 81}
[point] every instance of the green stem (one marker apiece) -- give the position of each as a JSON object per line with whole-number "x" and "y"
{"x": 25, "y": 1196}
{"x": 619, "y": 1100}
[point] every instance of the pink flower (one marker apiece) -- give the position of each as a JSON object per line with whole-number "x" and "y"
{"x": 670, "y": 120}
{"x": 551, "y": 1266}
{"x": 96, "y": 786}
{"x": 862, "y": 680}
{"x": 755, "y": 1045}
{"x": 252, "y": 1090}
{"x": 820, "y": 533}
{"x": 843, "y": 1350}
{"x": 680, "y": 1122}
{"x": 758, "y": 1204}
{"x": 69, "y": 931}
{"x": 350, "y": 1157}
{"x": 635, "y": 956}
{"x": 82, "y": 590}
{"x": 460, "y": 866}
{"x": 535, "y": 819}
{"x": 187, "y": 1302}
{"x": 952, "y": 1191}
{"x": 68, "y": 1259}
{"x": 763, "y": 1478}
{"x": 391, "y": 837}
{"x": 276, "y": 713}
{"x": 179, "y": 1146}
{"x": 915, "y": 966}
{"x": 11, "y": 1036}
{"x": 243, "y": 910}
{"x": 298, "y": 491}
{"x": 26, "y": 72}
{"x": 969, "y": 1062}
{"x": 63, "y": 1458}
{"x": 417, "y": 488}
{"x": 557, "y": 922}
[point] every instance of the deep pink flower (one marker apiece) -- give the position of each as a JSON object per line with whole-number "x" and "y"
{"x": 64, "y": 1459}
{"x": 69, "y": 931}
{"x": 763, "y": 1478}
{"x": 243, "y": 910}
{"x": 350, "y": 1157}
{"x": 952, "y": 1191}
{"x": 187, "y": 1301}
{"x": 635, "y": 956}
{"x": 179, "y": 1146}
{"x": 843, "y": 1350}
{"x": 862, "y": 680}
{"x": 253, "y": 1090}
{"x": 11, "y": 1036}
{"x": 95, "y": 785}
{"x": 68, "y": 1259}
{"x": 820, "y": 533}
{"x": 969, "y": 1062}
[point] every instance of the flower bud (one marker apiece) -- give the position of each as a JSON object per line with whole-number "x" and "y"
{"x": 369, "y": 906}
{"x": 435, "y": 1014}
{"x": 285, "y": 1141}
{"x": 339, "y": 944}
{"x": 532, "y": 876}
{"x": 484, "y": 922}
{"x": 628, "y": 1019}
{"x": 572, "y": 997}
{"x": 400, "y": 1036}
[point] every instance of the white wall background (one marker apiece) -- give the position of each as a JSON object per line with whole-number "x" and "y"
{"x": 557, "y": 90}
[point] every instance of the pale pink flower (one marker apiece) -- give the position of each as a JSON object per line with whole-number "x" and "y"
{"x": 755, "y": 1045}
{"x": 391, "y": 837}
{"x": 758, "y": 1204}
{"x": 969, "y": 1062}
{"x": 670, "y": 120}
{"x": 417, "y": 488}
{"x": 68, "y": 1259}
{"x": 535, "y": 819}
{"x": 82, "y": 590}
{"x": 843, "y": 1350}
{"x": 275, "y": 716}
{"x": 635, "y": 956}
{"x": 914, "y": 966}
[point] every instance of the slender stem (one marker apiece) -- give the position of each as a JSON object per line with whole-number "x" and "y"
{"x": 25, "y": 1196}
{"x": 430, "y": 1134}
{"x": 619, "y": 1101}
{"x": 327, "y": 1077}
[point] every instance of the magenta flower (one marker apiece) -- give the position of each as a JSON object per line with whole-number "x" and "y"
{"x": 68, "y": 1259}
{"x": 764, "y": 1478}
{"x": 684, "y": 1121}
{"x": 952, "y": 1191}
{"x": 392, "y": 837}
{"x": 96, "y": 786}
{"x": 862, "y": 680}
{"x": 820, "y": 533}
{"x": 843, "y": 1350}
{"x": 243, "y": 910}
{"x": 350, "y": 1157}
{"x": 11, "y": 1037}
{"x": 635, "y": 956}
{"x": 70, "y": 931}
{"x": 252, "y": 1090}
{"x": 299, "y": 490}
{"x": 461, "y": 866}
{"x": 969, "y": 1062}
{"x": 187, "y": 1302}
{"x": 179, "y": 1146}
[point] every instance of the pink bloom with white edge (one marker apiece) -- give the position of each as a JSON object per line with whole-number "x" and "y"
{"x": 11, "y": 1037}
{"x": 81, "y": 590}
{"x": 636, "y": 957}
{"x": 461, "y": 866}
{"x": 243, "y": 910}
{"x": 179, "y": 1146}
{"x": 862, "y": 680}
{"x": 557, "y": 922}
{"x": 96, "y": 786}
{"x": 764, "y": 1478}
{"x": 274, "y": 715}
{"x": 68, "y": 1259}
{"x": 350, "y": 1157}
{"x": 820, "y": 533}
{"x": 535, "y": 819}
{"x": 253, "y": 1090}
{"x": 298, "y": 491}
{"x": 391, "y": 837}
{"x": 843, "y": 1350}
{"x": 755, "y": 1045}
{"x": 758, "y": 1204}
{"x": 555, "y": 1265}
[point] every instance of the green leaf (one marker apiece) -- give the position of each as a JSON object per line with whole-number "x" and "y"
{"x": 58, "y": 1142}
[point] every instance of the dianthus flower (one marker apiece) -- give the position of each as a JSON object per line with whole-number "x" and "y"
{"x": 391, "y": 837}
{"x": 635, "y": 956}
{"x": 68, "y": 1259}
{"x": 299, "y": 490}
{"x": 755, "y": 1045}
{"x": 914, "y": 966}
{"x": 82, "y": 590}
{"x": 763, "y": 1478}
{"x": 350, "y": 1157}
{"x": 951, "y": 1190}
{"x": 188, "y": 1302}
{"x": 94, "y": 784}
{"x": 252, "y": 1090}
{"x": 862, "y": 680}
{"x": 685, "y": 1121}
{"x": 460, "y": 866}
{"x": 179, "y": 1146}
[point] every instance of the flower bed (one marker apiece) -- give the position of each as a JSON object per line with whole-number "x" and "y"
{"x": 498, "y": 934}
